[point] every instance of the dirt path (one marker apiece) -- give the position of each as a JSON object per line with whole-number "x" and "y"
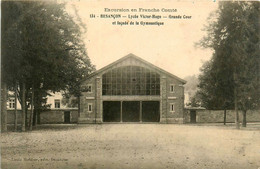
{"x": 132, "y": 146}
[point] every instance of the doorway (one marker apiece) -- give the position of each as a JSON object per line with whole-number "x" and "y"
{"x": 111, "y": 111}
{"x": 193, "y": 116}
{"x": 150, "y": 111}
{"x": 67, "y": 117}
{"x": 131, "y": 111}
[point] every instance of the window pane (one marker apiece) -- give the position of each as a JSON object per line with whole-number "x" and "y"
{"x": 131, "y": 80}
{"x": 114, "y": 80}
{"x": 118, "y": 92}
{"x": 114, "y": 86}
{"x": 157, "y": 86}
{"x": 108, "y": 80}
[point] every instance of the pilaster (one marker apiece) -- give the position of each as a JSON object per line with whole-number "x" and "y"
{"x": 98, "y": 107}
{"x": 163, "y": 98}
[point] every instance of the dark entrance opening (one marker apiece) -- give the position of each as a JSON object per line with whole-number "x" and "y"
{"x": 67, "y": 117}
{"x": 193, "y": 116}
{"x": 150, "y": 111}
{"x": 111, "y": 111}
{"x": 131, "y": 111}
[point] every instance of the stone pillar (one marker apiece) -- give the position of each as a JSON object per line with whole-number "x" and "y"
{"x": 121, "y": 111}
{"x": 183, "y": 106}
{"x": 141, "y": 111}
{"x": 98, "y": 109}
{"x": 82, "y": 99}
{"x": 163, "y": 100}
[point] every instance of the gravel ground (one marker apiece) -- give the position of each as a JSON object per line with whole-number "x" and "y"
{"x": 132, "y": 146}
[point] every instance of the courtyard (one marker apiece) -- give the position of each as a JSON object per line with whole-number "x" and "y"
{"x": 132, "y": 146}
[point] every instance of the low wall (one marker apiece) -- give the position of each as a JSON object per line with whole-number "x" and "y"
{"x": 57, "y": 116}
{"x": 46, "y": 117}
{"x": 10, "y": 116}
{"x": 217, "y": 116}
{"x": 202, "y": 116}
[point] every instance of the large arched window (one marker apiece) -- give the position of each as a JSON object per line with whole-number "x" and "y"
{"x": 131, "y": 80}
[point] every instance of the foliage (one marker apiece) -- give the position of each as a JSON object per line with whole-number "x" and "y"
{"x": 215, "y": 86}
{"x": 232, "y": 75}
{"x": 42, "y": 47}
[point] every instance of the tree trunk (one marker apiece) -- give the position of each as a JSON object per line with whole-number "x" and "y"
{"x": 78, "y": 106}
{"x": 3, "y": 107}
{"x": 23, "y": 107}
{"x": 244, "y": 119}
{"x": 36, "y": 107}
{"x": 31, "y": 115}
{"x": 36, "y": 117}
{"x": 15, "y": 108}
{"x": 236, "y": 109}
{"x": 26, "y": 117}
{"x": 225, "y": 116}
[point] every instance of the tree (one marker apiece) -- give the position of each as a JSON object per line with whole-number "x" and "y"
{"x": 7, "y": 70}
{"x": 215, "y": 89}
{"x": 3, "y": 107}
{"x": 43, "y": 44}
{"x": 233, "y": 34}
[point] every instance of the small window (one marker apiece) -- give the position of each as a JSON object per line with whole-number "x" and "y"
{"x": 172, "y": 109}
{"x": 11, "y": 103}
{"x": 87, "y": 88}
{"x": 57, "y": 103}
{"x": 172, "y": 88}
{"x": 89, "y": 107}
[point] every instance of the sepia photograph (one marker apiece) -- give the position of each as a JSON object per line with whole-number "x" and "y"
{"x": 171, "y": 84}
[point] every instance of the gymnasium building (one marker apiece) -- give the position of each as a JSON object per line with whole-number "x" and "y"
{"x": 132, "y": 90}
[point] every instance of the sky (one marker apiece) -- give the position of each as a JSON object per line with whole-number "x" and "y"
{"x": 169, "y": 46}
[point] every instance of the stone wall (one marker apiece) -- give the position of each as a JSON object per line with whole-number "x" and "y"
{"x": 46, "y": 117}
{"x": 57, "y": 116}
{"x": 217, "y": 116}
{"x": 10, "y": 116}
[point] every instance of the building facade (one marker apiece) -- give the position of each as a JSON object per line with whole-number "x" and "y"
{"x": 59, "y": 111}
{"x": 132, "y": 90}
{"x": 54, "y": 101}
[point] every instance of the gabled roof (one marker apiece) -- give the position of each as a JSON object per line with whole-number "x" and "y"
{"x": 139, "y": 59}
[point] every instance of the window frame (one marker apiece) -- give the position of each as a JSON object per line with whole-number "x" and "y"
{"x": 89, "y": 86}
{"x": 90, "y": 105}
{"x": 131, "y": 80}
{"x": 11, "y": 103}
{"x": 172, "y": 88}
{"x": 172, "y": 107}
{"x": 59, "y": 103}
{"x": 85, "y": 88}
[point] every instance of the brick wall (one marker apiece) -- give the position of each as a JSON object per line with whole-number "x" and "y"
{"x": 177, "y": 99}
{"x": 166, "y": 98}
{"x": 88, "y": 98}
